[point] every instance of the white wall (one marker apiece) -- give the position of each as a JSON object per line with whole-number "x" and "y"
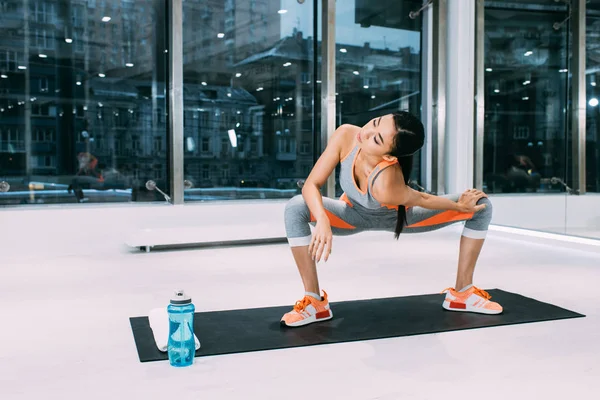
{"x": 107, "y": 228}
{"x": 574, "y": 215}
{"x": 104, "y": 229}
{"x": 540, "y": 212}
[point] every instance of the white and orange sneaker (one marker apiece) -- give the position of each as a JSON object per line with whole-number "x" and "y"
{"x": 307, "y": 311}
{"x": 471, "y": 300}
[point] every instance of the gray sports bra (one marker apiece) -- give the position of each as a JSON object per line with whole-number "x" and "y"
{"x": 352, "y": 193}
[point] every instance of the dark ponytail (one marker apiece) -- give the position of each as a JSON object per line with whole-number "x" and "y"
{"x": 409, "y": 139}
{"x": 406, "y": 164}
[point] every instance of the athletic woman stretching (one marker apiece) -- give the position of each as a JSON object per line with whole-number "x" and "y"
{"x": 376, "y": 162}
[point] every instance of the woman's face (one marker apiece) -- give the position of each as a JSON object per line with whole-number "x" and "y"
{"x": 376, "y": 138}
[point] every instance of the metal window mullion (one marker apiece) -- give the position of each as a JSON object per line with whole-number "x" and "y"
{"x": 314, "y": 73}
{"x": 438, "y": 106}
{"x": 175, "y": 52}
{"x": 578, "y": 95}
{"x": 27, "y": 105}
{"x": 479, "y": 93}
{"x": 328, "y": 103}
{"x": 426, "y": 80}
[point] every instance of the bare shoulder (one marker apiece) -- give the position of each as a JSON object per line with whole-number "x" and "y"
{"x": 345, "y": 133}
{"x": 337, "y": 146}
{"x": 345, "y": 138}
{"x": 388, "y": 185}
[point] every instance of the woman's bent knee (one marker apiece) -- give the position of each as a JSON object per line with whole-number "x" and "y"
{"x": 489, "y": 209}
{"x": 297, "y": 218}
{"x": 295, "y": 205}
{"x": 477, "y": 227}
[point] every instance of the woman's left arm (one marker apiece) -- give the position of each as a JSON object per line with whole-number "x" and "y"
{"x": 395, "y": 192}
{"x": 431, "y": 202}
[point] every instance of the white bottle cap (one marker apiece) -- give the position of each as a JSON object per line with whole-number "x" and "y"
{"x": 180, "y": 298}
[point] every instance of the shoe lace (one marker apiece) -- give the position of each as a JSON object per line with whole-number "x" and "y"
{"x": 476, "y": 290}
{"x": 482, "y": 293}
{"x": 301, "y": 304}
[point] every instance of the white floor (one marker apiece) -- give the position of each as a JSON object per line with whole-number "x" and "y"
{"x": 65, "y": 329}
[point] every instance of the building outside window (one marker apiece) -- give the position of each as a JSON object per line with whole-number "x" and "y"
{"x": 79, "y": 90}
{"x": 378, "y": 62}
{"x": 526, "y": 94}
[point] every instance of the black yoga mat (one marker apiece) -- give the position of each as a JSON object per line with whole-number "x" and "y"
{"x": 238, "y": 331}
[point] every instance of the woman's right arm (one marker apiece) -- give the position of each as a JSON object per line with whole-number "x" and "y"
{"x": 311, "y": 192}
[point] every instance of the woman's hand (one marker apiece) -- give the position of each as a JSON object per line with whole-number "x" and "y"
{"x": 468, "y": 201}
{"x": 320, "y": 244}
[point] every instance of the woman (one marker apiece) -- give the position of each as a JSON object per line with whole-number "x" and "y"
{"x": 376, "y": 162}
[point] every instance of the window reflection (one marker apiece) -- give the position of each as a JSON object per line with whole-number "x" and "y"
{"x": 593, "y": 97}
{"x": 248, "y": 97}
{"x": 82, "y": 105}
{"x": 378, "y": 62}
{"x": 525, "y": 97}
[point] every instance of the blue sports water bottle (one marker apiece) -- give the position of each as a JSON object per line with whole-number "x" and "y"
{"x": 181, "y": 346}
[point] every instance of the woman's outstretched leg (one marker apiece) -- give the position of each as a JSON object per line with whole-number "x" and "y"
{"x": 464, "y": 296}
{"x": 471, "y": 243}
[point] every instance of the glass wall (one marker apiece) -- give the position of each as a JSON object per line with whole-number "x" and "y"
{"x": 527, "y": 48}
{"x": 526, "y": 95}
{"x": 593, "y": 96}
{"x": 580, "y": 221}
{"x": 82, "y": 100}
{"x": 528, "y": 137}
{"x": 378, "y": 62}
{"x": 248, "y": 98}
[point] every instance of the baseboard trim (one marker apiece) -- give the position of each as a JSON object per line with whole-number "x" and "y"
{"x": 546, "y": 238}
{"x": 530, "y": 235}
{"x": 215, "y": 244}
{"x": 546, "y": 235}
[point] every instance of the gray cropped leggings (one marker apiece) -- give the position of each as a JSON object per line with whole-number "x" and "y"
{"x": 349, "y": 220}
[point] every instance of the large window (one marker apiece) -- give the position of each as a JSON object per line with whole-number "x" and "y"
{"x": 378, "y": 62}
{"x": 593, "y": 96}
{"x": 82, "y": 100}
{"x": 248, "y": 98}
{"x": 582, "y": 217}
{"x": 526, "y": 96}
